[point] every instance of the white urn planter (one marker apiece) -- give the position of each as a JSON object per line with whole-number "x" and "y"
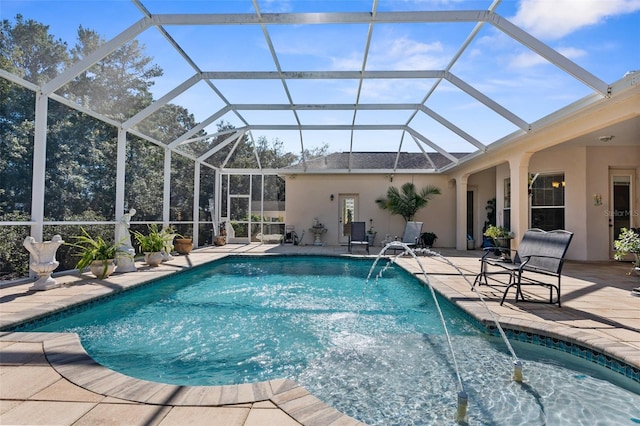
{"x": 43, "y": 261}
{"x": 153, "y": 258}
{"x": 102, "y": 268}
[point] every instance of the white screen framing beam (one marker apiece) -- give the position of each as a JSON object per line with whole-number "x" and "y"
{"x": 344, "y": 75}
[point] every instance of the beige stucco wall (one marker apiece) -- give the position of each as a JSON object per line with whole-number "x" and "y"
{"x": 308, "y": 196}
{"x": 572, "y": 162}
{"x": 599, "y": 161}
{"x": 586, "y": 172}
{"x": 483, "y": 185}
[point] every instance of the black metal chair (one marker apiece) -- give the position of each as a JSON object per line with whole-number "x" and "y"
{"x": 539, "y": 252}
{"x": 358, "y": 236}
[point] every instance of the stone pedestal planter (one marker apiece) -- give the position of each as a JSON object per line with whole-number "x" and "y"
{"x": 43, "y": 261}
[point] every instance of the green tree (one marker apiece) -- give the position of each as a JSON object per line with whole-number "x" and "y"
{"x": 117, "y": 86}
{"x": 406, "y": 201}
{"x": 320, "y": 151}
{"x": 27, "y": 50}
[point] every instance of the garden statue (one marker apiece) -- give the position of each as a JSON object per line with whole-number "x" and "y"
{"x": 168, "y": 234}
{"x": 43, "y": 261}
{"x": 123, "y": 239}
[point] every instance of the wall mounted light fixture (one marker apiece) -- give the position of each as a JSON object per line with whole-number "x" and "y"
{"x": 331, "y": 197}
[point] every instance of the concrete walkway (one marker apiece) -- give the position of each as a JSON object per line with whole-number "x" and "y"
{"x": 47, "y": 378}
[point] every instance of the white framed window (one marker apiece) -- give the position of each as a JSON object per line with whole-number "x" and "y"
{"x": 547, "y": 209}
{"x": 506, "y": 211}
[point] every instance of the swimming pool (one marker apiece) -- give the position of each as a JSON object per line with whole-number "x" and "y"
{"x": 374, "y": 351}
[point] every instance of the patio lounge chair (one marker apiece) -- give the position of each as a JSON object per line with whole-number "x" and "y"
{"x": 411, "y": 235}
{"x": 358, "y": 236}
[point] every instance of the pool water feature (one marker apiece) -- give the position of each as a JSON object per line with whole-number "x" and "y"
{"x": 380, "y": 357}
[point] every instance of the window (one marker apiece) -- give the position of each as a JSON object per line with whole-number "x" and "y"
{"x": 506, "y": 217}
{"x": 547, "y": 202}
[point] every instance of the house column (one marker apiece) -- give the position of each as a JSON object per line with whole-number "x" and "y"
{"x": 461, "y": 211}
{"x": 121, "y": 160}
{"x": 166, "y": 193}
{"x": 196, "y": 203}
{"x": 39, "y": 165}
{"x": 519, "y": 174}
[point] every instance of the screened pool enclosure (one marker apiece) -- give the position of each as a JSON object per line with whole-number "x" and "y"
{"x": 194, "y": 113}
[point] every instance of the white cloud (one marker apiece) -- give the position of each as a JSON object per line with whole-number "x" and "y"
{"x": 275, "y": 6}
{"x": 553, "y": 19}
{"x": 398, "y": 53}
{"x": 571, "y": 52}
{"x": 405, "y": 53}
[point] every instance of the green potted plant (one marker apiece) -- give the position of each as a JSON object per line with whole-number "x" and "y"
{"x": 628, "y": 242}
{"x": 499, "y": 235}
{"x": 97, "y": 254}
{"x": 151, "y": 244}
{"x": 428, "y": 238}
{"x": 407, "y": 200}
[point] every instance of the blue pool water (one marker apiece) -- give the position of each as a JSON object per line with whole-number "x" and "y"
{"x": 375, "y": 351}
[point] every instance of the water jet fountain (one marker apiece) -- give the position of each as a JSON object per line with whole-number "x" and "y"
{"x": 463, "y": 399}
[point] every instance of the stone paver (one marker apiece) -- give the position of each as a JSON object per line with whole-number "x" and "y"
{"x": 180, "y": 416}
{"x": 66, "y": 387}
{"x": 119, "y": 414}
{"x": 46, "y": 413}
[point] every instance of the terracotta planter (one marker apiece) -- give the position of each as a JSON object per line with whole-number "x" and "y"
{"x": 220, "y": 241}
{"x": 183, "y": 245}
{"x": 102, "y": 268}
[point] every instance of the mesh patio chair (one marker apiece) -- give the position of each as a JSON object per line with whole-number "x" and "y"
{"x": 411, "y": 235}
{"x": 358, "y": 236}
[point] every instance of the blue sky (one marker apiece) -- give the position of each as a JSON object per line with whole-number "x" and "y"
{"x": 602, "y": 36}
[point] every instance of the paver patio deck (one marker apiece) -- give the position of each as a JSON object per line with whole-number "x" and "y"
{"x": 47, "y": 378}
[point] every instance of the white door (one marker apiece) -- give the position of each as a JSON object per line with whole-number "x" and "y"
{"x": 348, "y": 204}
{"x": 621, "y": 202}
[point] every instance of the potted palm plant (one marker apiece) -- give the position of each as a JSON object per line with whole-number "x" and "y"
{"x": 407, "y": 200}
{"x": 151, "y": 244}
{"x": 97, "y": 254}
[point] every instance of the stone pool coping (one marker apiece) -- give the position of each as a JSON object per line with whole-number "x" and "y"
{"x": 66, "y": 355}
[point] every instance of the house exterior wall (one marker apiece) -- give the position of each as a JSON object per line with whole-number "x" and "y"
{"x": 586, "y": 171}
{"x": 599, "y": 161}
{"x": 555, "y": 160}
{"x": 483, "y": 183}
{"x": 308, "y": 196}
